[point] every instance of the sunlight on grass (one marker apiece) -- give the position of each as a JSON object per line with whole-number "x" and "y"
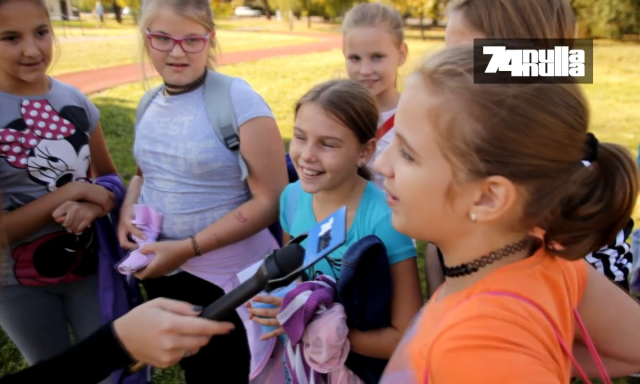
{"x": 94, "y": 53}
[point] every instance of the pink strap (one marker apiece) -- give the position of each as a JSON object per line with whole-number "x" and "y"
{"x": 602, "y": 371}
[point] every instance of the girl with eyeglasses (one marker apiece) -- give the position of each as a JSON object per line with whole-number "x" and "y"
{"x": 186, "y": 173}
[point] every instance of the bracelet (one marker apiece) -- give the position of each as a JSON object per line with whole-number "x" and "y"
{"x": 196, "y": 248}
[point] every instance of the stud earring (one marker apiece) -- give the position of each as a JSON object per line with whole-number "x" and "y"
{"x": 362, "y": 165}
{"x": 473, "y": 217}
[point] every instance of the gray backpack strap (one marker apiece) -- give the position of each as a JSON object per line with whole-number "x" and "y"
{"x": 146, "y": 99}
{"x": 217, "y": 98}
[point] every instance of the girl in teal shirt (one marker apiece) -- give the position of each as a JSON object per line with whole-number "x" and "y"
{"x": 334, "y": 139}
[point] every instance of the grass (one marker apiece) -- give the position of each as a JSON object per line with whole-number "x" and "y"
{"x": 81, "y": 54}
{"x": 281, "y": 81}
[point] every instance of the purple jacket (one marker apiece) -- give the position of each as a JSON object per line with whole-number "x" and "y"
{"x": 298, "y": 309}
{"x": 117, "y": 295}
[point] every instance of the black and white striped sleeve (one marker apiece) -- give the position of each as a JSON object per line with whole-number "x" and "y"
{"x": 615, "y": 260}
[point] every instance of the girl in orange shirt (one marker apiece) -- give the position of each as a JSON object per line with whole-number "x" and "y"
{"x": 513, "y": 19}
{"x": 474, "y": 169}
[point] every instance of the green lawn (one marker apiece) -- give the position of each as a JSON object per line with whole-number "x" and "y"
{"x": 614, "y": 99}
{"x": 80, "y": 54}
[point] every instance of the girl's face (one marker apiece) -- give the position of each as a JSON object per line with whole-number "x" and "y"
{"x": 324, "y": 152}
{"x": 175, "y": 65}
{"x": 26, "y": 42}
{"x": 417, "y": 175}
{"x": 459, "y": 31}
{"x": 373, "y": 57}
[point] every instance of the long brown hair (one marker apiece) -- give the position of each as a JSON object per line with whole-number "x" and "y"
{"x": 350, "y": 103}
{"x": 534, "y": 135}
{"x": 519, "y": 19}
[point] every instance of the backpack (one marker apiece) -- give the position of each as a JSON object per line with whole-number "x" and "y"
{"x": 217, "y": 93}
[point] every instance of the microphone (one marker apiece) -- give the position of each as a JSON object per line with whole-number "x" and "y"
{"x": 280, "y": 268}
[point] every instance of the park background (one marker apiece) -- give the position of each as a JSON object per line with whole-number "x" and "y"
{"x": 290, "y": 46}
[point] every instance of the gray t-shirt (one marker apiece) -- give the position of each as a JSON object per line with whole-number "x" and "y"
{"x": 191, "y": 177}
{"x": 44, "y": 144}
{"x": 189, "y": 174}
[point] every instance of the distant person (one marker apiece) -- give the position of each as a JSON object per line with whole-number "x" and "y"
{"x": 100, "y": 13}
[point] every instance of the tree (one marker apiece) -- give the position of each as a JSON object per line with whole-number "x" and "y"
{"x": 267, "y": 9}
{"x": 607, "y": 18}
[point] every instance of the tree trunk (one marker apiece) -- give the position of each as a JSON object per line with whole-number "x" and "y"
{"x": 422, "y": 23}
{"x": 267, "y": 9}
{"x": 117, "y": 11}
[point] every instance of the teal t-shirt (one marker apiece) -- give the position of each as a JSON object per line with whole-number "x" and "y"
{"x": 373, "y": 217}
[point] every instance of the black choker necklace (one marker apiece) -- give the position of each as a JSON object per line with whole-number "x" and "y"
{"x": 185, "y": 88}
{"x": 473, "y": 266}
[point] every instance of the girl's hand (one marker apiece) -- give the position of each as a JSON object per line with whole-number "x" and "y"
{"x": 169, "y": 256}
{"x": 267, "y": 316}
{"x": 96, "y": 194}
{"x": 75, "y": 216}
{"x": 126, "y": 229}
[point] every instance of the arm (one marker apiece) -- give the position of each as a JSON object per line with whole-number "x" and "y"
{"x": 263, "y": 150}
{"x": 433, "y": 269}
{"x": 80, "y": 363}
{"x": 603, "y": 304}
{"x": 158, "y": 332}
{"x": 101, "y": 162}
{"x": 405, "y": 303}
{"x": 29, "y": 218}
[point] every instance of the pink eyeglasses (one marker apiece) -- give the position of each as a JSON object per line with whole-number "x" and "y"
{"x": 165, "y": 43}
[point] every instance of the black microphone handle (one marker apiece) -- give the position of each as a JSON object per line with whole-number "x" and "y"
{"x": 228, "y": 303}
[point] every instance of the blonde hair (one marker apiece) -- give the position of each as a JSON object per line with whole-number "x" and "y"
{"x": 375, "y": 15}
{"x": 535, "y": 135}
{"x": 198, "y": 11}
{"x": 519, "y": 19}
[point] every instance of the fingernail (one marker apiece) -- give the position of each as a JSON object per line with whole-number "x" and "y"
{"x": 197, "y": 308}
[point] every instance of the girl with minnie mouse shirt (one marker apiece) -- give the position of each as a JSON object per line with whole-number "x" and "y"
{"x": 51, "y": 144}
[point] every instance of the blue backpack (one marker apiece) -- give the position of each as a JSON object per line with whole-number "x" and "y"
{"x": 217, "y": 98}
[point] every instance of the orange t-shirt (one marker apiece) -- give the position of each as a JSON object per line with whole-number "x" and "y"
{"x": 474, "y": 337}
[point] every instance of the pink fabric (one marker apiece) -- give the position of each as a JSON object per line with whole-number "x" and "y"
{"x": 150, "y": 223}
{"x": 326, "y": 346}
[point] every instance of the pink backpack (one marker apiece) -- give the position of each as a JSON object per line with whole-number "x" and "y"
{"x": 602, "y": 371}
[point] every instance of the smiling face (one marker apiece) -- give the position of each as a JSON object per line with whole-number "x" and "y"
{"x": 372, "y": 57}
{"x": 177, "y": 66}
{"x": 324, "y": 152}
{"x": 26, "y": 44}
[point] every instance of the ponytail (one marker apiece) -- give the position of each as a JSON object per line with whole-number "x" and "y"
{"x": 365, "y": 173}
{"x": 599, "y": 199}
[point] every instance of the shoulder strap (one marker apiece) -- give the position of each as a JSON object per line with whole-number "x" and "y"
{"x": 217, "y": 98}
{"x": 292, "y": 202}
{"x": 146, "y": 99}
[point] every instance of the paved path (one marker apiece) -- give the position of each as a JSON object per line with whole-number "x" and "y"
{"x": 100, "y": 79}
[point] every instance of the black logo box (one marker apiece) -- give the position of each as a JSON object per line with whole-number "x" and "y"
{"x": 481, "y": 60}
